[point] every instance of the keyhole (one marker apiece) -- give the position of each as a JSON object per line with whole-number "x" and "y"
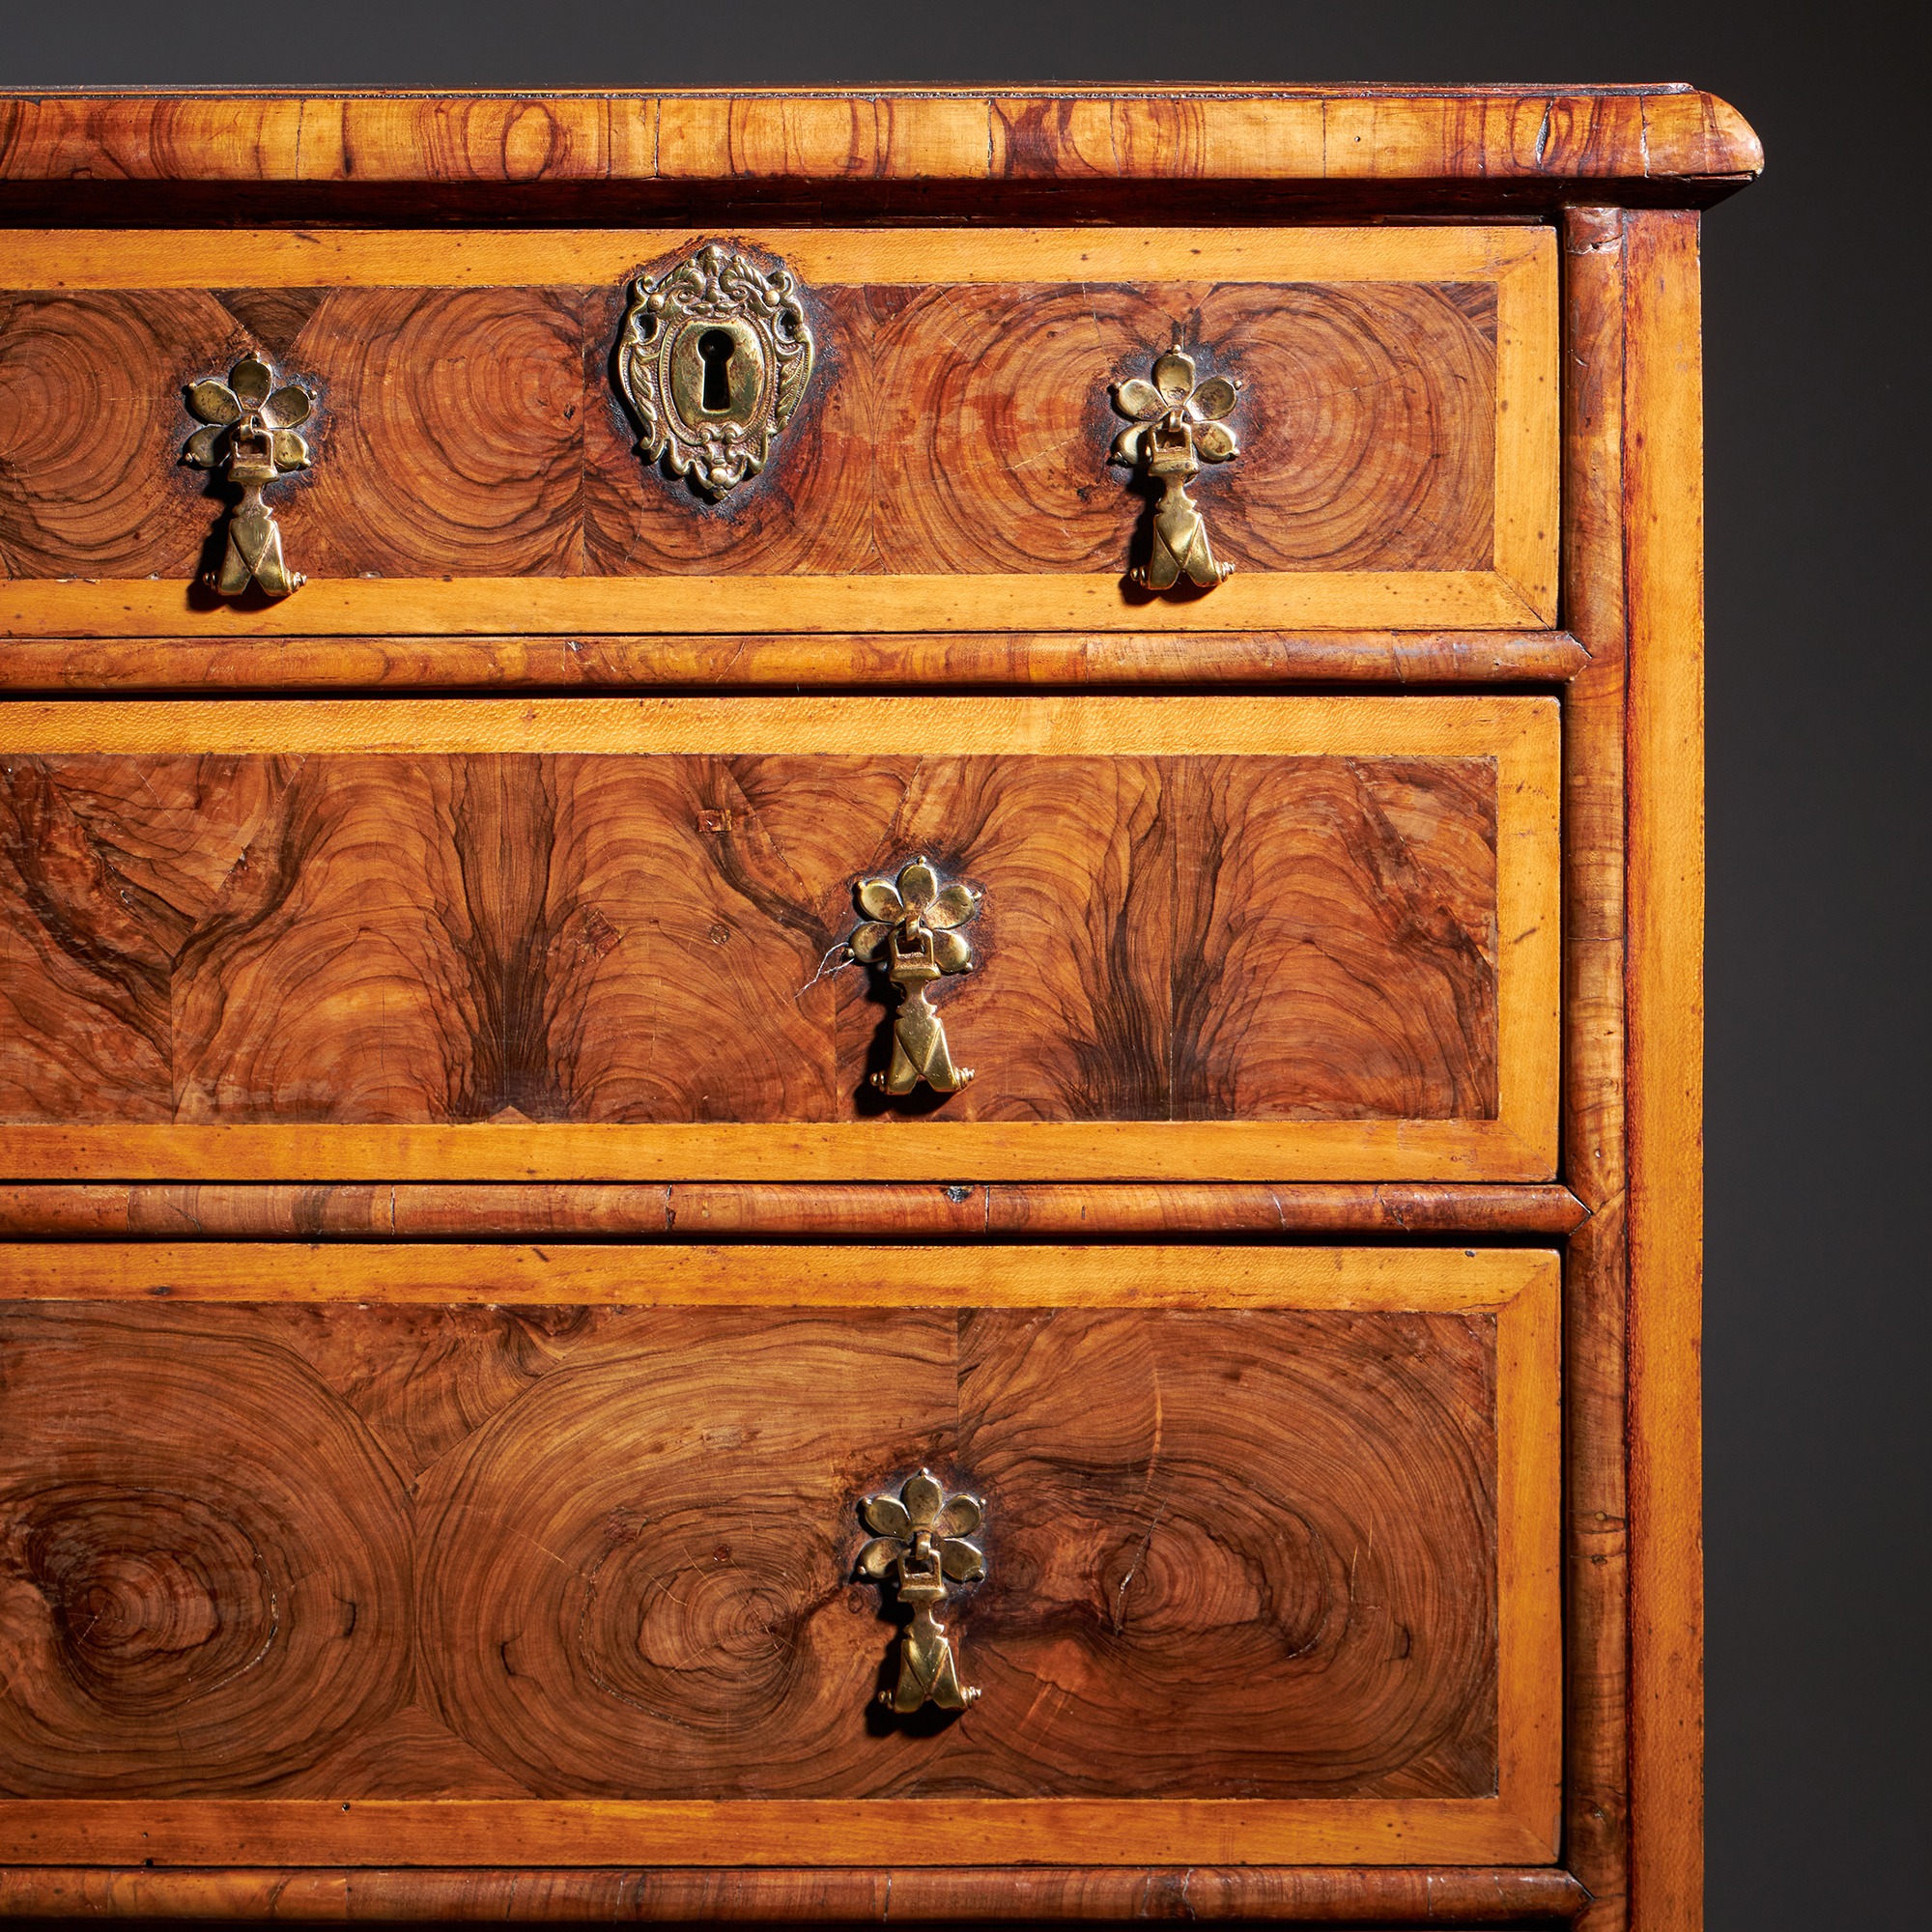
{"x": 714, "y": 349}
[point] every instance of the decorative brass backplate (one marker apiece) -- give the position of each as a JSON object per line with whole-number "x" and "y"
{"x": 250, "y": 434}
{"x": 713, "y": 360}
{"x": 909, "y": 931}
{"x": 920, "y": 1544}
{"x": 1177, "y": 426}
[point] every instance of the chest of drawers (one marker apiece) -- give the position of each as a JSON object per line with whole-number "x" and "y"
{"x": 849, "y": 1005}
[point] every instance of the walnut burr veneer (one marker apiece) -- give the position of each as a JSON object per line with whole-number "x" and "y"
{"x": 850, "y": 1006}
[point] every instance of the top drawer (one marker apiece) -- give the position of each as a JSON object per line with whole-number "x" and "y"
{"x": 475, "y": 469}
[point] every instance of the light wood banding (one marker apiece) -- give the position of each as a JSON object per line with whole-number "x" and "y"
{"x": 1664, "y": 499}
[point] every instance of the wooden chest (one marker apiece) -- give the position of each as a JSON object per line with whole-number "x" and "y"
{"x": 849, "y": 1005}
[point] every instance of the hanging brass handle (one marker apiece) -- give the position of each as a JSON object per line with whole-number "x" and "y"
{"x": 910, "y": 933}
{"x": 920, "y": 1544}
{"x": 250, "y": 434}
{"x": 1176, "y": 428}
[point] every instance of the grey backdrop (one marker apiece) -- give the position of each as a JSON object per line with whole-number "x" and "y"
{"x": 1818, "y": 714}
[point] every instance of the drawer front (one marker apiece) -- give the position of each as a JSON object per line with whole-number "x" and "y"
{"x": 474, "y": 467}
{"x": 322, "y": 1542}
{"x": 1218, "y": 938}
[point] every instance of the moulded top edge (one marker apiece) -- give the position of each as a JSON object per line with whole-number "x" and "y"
{"x": 1348, "y": 134}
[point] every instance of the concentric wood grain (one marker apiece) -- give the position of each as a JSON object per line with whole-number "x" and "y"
{"x": 1215, "y": 1576}
{"x": 951, "y": 429}
{"x": 1163, "y": 1624}
{"x": 204, "y": 1559}
{"x": 449, "y": 436}
{"x": 1265, "y": 1566}
{"x": 388, "y": 939}
{"x": 91, "y": 430}
{"x": 1368, "y": 424}
{"x": 993, "y": 447}
{"x": 965, "y": 430}
{"x": 687, "y": 1486}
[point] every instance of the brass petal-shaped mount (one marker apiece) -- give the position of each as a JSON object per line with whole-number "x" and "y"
{"x": 1214, "y": 443}
{"x": 951, "y": 953}
{"x": 964, "y": 1562}
{"x": 203, "y": 449}
{"x": 878, "y": 1557}
{"x": 251, "y": 378}
{"x": 951, "y": 905}
{"x": 958, "y": 1516}
{"x": 1214, "y": 397}
{"x": 868, "y": 941}
{"x": 212, "y": 401}
{"x": 1173, "y": 377}
{"x": 922, "y": 1497}
{"x": 287, "y": 407}
{"x": 918, "y": 885}
{"x": 888, "y": 1515}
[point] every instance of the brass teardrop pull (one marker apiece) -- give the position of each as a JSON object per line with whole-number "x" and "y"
{"x": 911, "y": 933}
{"x": 919, "y": 1546}
{"x": 1176, "y": 428}
{"x": 251, "y": 436}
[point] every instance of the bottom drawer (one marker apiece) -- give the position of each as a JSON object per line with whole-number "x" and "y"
{"x": 298, "y": 1545}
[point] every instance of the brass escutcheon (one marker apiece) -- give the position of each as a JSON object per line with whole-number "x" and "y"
{"x": 1176, "y": 428}
{"x": 919, "y": 1544}
{"x": 909, "y": 931}
{"x": 250, "y": 435}
{"x": 713, "y": 359}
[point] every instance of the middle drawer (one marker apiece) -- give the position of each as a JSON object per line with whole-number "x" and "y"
{"x": 1269, "y": 938}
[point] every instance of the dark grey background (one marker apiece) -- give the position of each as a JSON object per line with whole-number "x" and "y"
{"x": 1817, "y": 1504}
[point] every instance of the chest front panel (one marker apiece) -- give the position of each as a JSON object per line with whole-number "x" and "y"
{"x": 848, "y": 1005}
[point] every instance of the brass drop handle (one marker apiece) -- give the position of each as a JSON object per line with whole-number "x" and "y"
{"x": 1176, "y": 428}
{"x": 919, "y": 1546}
{"x": 911, "y": 933}
{"x": 249, "y": 433}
